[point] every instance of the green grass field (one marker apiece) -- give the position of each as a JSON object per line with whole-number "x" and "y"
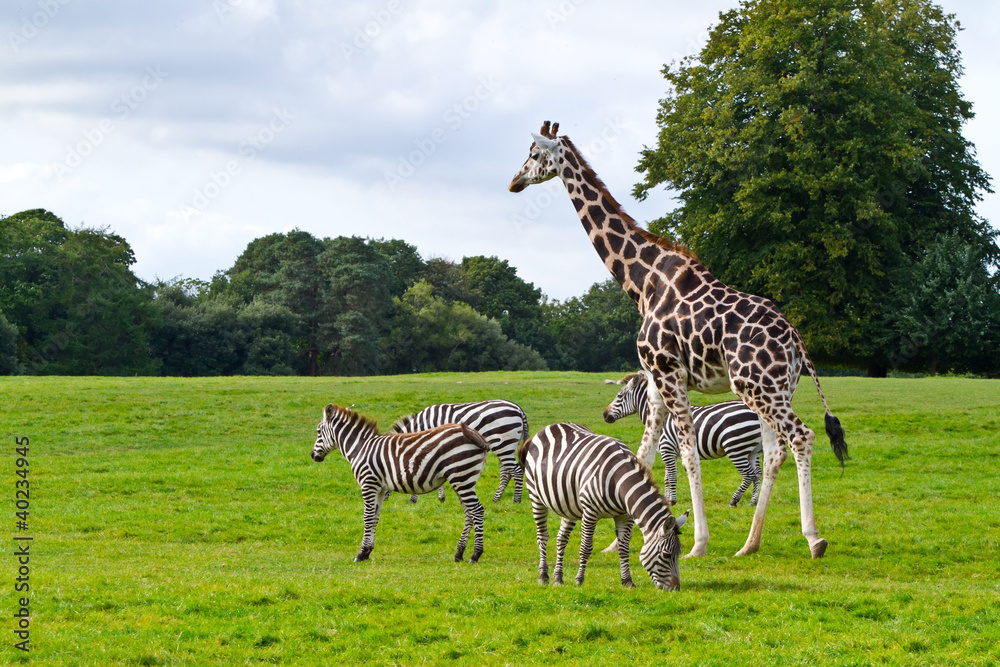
{"x": 181, "y": 521}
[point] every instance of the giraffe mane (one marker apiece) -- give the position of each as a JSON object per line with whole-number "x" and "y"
{"x": 355, "y": 418}
{"x": 662, "y": 241}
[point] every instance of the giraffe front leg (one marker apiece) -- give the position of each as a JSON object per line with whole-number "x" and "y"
{"x": 541, "y": 514}
{"x": 562, "y": 539}
{"x": 373, "y": 498}
{"x": 623, "y": 528}
{"x": 774, "y": 456}
{"x": 672, "y": 386}
{"x": 587, "y": 526}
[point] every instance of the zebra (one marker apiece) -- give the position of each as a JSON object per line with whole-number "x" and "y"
{"x": 724, "y": 429}
{"x": 582, "y": 476}
{"x": 406, "y": 462}
{"x": 502, "y": 423}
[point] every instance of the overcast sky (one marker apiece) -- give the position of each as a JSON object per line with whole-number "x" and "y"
{"x": 192, "y": 127}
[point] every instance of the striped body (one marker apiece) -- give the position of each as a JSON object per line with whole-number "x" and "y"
{"x": 585, "y": 477}
{"x": 410, "y": 463}
{"x": 725, "y": 429}
{"x": 503, "y": 424}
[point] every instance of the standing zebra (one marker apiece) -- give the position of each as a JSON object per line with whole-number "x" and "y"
{"x": 503, "y": 424}
{"x": 724, "y": 429}
{"x": 582, "y": 476}
{"x": 407, "y": 462}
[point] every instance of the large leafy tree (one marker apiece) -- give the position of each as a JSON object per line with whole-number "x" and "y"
{"x": 499, "y": 293}
{"x": 76, "y": 303}
{"x": 595, "y": 332}
{"x": 430, "y": 334}
{"x": 816, "y": 146}
{"x": 946, "y": 315}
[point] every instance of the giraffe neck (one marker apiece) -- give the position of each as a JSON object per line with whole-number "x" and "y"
{"x": 623, "y": 246}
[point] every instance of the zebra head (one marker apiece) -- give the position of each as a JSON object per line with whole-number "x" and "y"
{"x": 627, "y": 399}
{"x": 660, "y": 554}
{"x": 325, "y": 439}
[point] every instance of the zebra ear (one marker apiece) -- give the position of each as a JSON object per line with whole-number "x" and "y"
{"x": 329, "y": 411}
{"x": 668, "y": 525}
{"x": 683, "y": 519}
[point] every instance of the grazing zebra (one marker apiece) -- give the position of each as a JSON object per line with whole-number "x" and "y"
{"x": 502, "y": 423}
{"x": 582, "y": 476}
{"x": 406, "y": 462}
{"x": 724, "y": 429}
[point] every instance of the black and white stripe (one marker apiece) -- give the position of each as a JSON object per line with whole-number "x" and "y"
{"x": 585, "y": 477}
{"x": 406, "y": 462}
{"x": 502, "y": 423}
{"x": 724, "y": 429}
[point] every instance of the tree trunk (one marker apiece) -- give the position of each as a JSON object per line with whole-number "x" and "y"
{"x": 877, "y": 370}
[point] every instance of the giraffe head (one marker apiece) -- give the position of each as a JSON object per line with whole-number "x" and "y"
{"x": 543, "y": 159}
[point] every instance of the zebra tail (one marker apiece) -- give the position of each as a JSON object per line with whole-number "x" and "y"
{"x": 473, "y": 436}
{"x": 834, "y": 430}
{"x": 522, "y": 450}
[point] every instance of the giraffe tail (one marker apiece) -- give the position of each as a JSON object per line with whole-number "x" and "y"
{"x": 834, "y": 430}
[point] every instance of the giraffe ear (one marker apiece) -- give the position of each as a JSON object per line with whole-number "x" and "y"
{"x": 544, "y": 143}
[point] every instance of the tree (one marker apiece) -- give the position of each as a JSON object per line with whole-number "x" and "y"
{"x": 817, "y": 147}
{"x": 945, "y": 315}
{"x": 496, "y": 291}
{"x": 429, "y": 334}
{"x": 595, "y": 332}
{"x": 405, "y": 262}
{"x": 78, "y": 306}
{"x": 9, "y": 358}
{"x": 356, "y": 301}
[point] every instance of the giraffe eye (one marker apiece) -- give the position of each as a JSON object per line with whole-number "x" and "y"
{"x": 534, "y": 156}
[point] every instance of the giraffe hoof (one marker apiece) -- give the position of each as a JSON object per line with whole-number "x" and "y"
{"x": 746, "y": 551}
{"x": 818, "y": 548}
{"x": 696, "y": 553}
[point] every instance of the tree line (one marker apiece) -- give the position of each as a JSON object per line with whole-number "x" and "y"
{"x": 291, "y": 304}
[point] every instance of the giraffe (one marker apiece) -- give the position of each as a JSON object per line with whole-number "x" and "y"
{"x": 696, "y": 333}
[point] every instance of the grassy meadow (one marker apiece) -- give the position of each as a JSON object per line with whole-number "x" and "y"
{"x": 182, "y": 522}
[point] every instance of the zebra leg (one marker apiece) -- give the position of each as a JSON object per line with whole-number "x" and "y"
{"x": 755, "y": 462}
{"x": 587, "y": 526}
{"x": 505, "y": 475}
{"x": 623, "y": 528}
{"x": 373, "y": 498}
{"x": 748, "y": 478}
{"x": 474, "y": 513}
{"x": 518, "y": 483}
{"x": 541, "y": 514}
{"x": 413, "y": 498}
{"x": 441, "y": 494}
{"x": 562, "y": 539}
{"x": 669, "y": 455}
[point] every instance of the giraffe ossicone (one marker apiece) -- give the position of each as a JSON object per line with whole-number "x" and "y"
{"x": 696, "y": 333}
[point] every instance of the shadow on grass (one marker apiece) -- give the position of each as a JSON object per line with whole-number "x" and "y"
{"x": 744, "y": 585}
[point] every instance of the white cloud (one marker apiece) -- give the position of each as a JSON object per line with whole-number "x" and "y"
{"x": 357, "y": 117}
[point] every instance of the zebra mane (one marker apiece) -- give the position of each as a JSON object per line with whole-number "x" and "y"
{"x": 627, "y": 378}
{"x": 351, "y": 417}
{"x": 648, "y": 474}
{"x": 402, "y": 424}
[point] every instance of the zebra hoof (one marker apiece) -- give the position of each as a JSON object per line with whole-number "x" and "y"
{"x": 362, "y": 556}
{"x": 475, "y": 557}
{"x": 413, "y": 499}
{"x": 818, "y": 549}
{"x": 543, "y": 579}
{"x": 628, "y": 583}
{"x": 579, "y": 581}
{"x": 558, "y": 581}
{"x": 732, "y": 504}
